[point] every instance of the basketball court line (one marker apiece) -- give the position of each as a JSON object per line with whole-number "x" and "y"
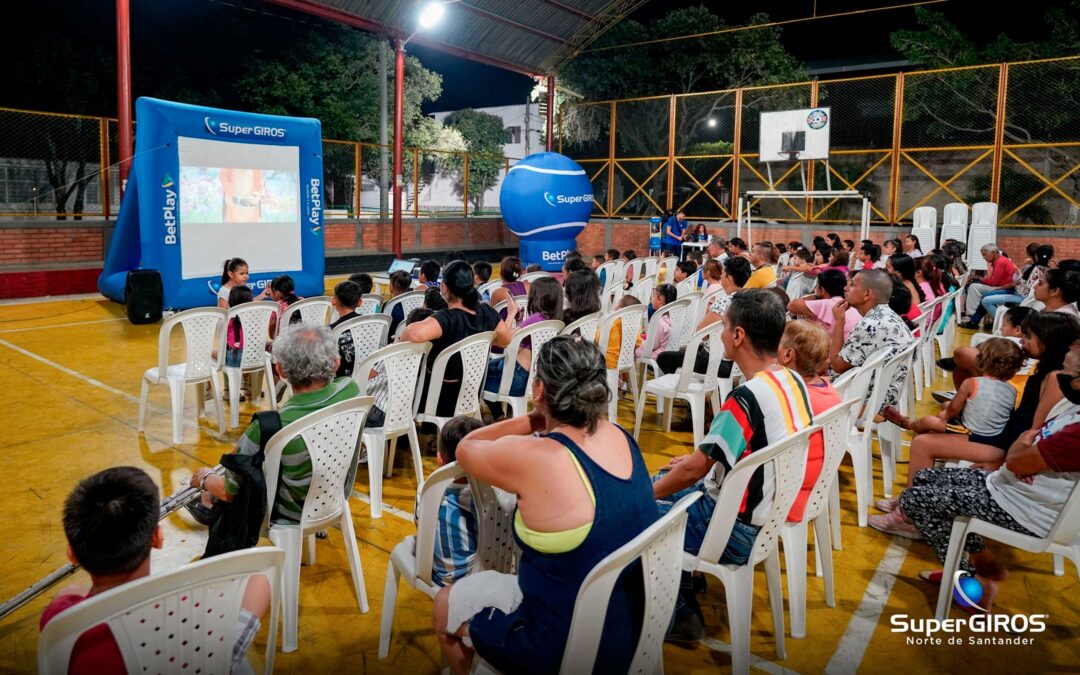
{"x": 63, "y": 325}
{"x": 860, "y": 630}
{"x": 755, "y": 661}
{"x": 404, "y": 515}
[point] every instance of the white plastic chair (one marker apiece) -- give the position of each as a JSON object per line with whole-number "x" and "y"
{"x": 684, "y": 385}
{"x": 705, "y": 304}
{"x": 636, "y": 268}
{"x": 926, "y": 327}
{"x": 201, "y": 326}
{"x": 658, "y": 549}
{"x": 182, "y": 620}
{"x": 614, "y": 274}
{"x": 924, "y": 226}
{"x": 835, "y": 424}
{"x": 631, "y": 318}
{"x": 332, "y": 438}
{"x": 685, "y": 329}
{"x": 488, "y": 287}
{"x": 642, "y": 290}
{"x": 315, "y": 310}
{"x": 496, "y": 547}
{"x": 860, "y": 440}
{"x": 369, "y": 304}
{"x": 473, "y": 352}
{"x": 408, "y": 300}
{"x": 983, "y": 231}
{"x": 585, "y": 326}
{"x": 888, "y": 433}
{"x": 402, "y": 363}
{"x": 255, "y": 319}
{"x": 1060, "y": 541}
{"x": 651, "y": 264}
{"x": 539, "y": 333}
{"x": 999, "y": 313}
{"x": 530, "y": 277}
{"x": 954, "y": 222}
{"x": 687, "y": 285}
{"x": 784, "y": 464}
{"x": 675, "y": 311}
{"x": 369, "y": 333}
{"x": 668, "y": 264}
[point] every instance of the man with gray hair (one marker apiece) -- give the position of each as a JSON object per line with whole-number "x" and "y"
{"x": 717, "y": 249}
{"x": 999, "y": 279}
{"x": 306, "y": 356}
{"x": 880, "y": 328}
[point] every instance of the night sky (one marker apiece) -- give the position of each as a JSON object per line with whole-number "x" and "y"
{"x": 88, "y": 24}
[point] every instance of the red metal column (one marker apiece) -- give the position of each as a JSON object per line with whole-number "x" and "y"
{"x": 550, "y": 140}
{"x": 399, "y": 124}
{"x": 123, "y": 88}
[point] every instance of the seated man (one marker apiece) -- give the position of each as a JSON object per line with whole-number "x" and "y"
{"x": 306, "y": 356}
{"x": 761, "y": 258}
{"x": 345, "y": 299}
{"x": 879, "y": 329}
{"x": 429, "y": 273}
{"x": 999, "y": 279}
{"x": 771, "y": 405}
{"x": 111, "y": 523}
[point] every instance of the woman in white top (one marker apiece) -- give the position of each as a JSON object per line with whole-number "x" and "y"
{"x": 1059, "y": 290}
{"x": 912, "y": 247}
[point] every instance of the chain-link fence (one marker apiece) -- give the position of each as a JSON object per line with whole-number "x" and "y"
{"x": 1008, "y": 133}
{"x": 51, "y": 167}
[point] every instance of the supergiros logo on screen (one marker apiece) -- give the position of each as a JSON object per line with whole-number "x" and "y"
{"x": 228, "y": 129}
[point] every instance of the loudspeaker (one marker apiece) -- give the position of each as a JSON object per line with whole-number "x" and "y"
{"x": 143, "y": 296}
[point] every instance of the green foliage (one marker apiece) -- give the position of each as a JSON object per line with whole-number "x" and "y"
{"x": 1016, "y": 188}
{"x": 484, "y": 136}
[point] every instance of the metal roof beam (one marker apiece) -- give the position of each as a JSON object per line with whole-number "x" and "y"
{"x": 510, "y": 22}
{"x": 571, "y": 10}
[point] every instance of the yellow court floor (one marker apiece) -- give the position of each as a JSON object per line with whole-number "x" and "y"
{"x": 69, "y": 383}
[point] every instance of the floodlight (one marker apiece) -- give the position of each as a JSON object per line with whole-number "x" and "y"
{"x": 712, "y": 122}
{"x": 432, "y": 14}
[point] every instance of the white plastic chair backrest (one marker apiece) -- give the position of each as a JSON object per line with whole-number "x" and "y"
{"x": 585, "y": 326}
{"x": 681, "y": 331}
{"x": 496, "y": 548}
{"x": 332, "y": 438}
{"x": 954, "y": 222}
{"x": 1067, "y": 526}
{"x": 659, "y": 548}
{"x": 159, "y": 620}
{"x": 983, "y": 231}
{"x": 687, "y": 285}
{"x": 255, "y": 319}
{"x": 924, "y": 226}
{"x": 312, "y": 310}
{"x": 651, "y": 263}
{"x": 503, "y": 306}
{"x": 854, "y": 385}
{"x": 369, "y": 304}
{"x": 204, "y": 328}
{"x": 888, "y": 374}
{"x": 668, "y": 264}
{"x": 408, "y": 300}
{"x": 473, "y": 352}
{"x": 488, "y": 287}
{"x": 614, "y": 274}
{"x": 642, "y": 290}
{"x": 984, "y": 213}
{"x": 835, "y": 425}
{"x": 430, "y": 500}
{"x": 522, "y": 302}
{"x": 530, "y": 277}
{"x": 632, "y": 319}
{"x": 703, "y": 306}
{"x": 539, "y": 333}
{"x": 636, "y": 267}
{"x": 403, "y": 368}
{"x": 710, "y": 335}
{"x": 674, "y": 310}
{"x": 784, "y": 463}
{"x": 369, "y": 333}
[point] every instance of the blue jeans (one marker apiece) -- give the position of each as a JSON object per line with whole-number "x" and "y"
{"x": 741, "y": 543}
{"x": 494, "y": 377}
{"x": 977, "y": 316}
{"x": 991, "y": 302}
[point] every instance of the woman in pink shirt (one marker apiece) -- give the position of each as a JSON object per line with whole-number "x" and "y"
{"x": 661, "y": 295}
{"x": 819, "y": 308}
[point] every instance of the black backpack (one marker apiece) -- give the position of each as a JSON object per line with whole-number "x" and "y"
{"x": 235, "y": 525}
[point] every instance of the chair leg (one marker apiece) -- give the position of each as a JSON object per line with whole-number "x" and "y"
{"x": 200, "y": 400}
{"x": 414, "y": 445}
{"x": 389, "y": 468}
{"x": 219, "y": 402}
{"x": 776, "y": 600}
{"x": 176, "y": 391}
{"x": 353, "y": 551}
{"x": 697, "y": 417}
{"x": 309, "y": 550}
{"x": 834, "y": 513}
{"x": 863, "y": 490}
{"x": 289, "y": 539}
{"x": 613, "y": 385}
{"x": 376, "y": 452}
{"x": 268, "y": 388}
{"x": 824, "y": 552}
{"x": 233, "y": 375}
{"x": 634, "y": 384}
{"x": 389, "y": 604}
{"x": 740, "y": 599}
{"x": 952, "y": 563}
{"x": 889, "y": 442}
{"x": 1059, "y": 565}
{"x": 144, "y": 394}
{"x": 669, "y": 408}
{"x": 794, "y": 537}
{"x": 639, "y": 410}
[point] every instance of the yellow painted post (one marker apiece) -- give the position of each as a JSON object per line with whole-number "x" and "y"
{"x": 898, "y": 119}
{"x": 810, "y": 164}
{"x": 736, "y": 165}
{"x": 611, "y": 164}
{"x": 671, "y": 154}
{"x": 999, "y": 134}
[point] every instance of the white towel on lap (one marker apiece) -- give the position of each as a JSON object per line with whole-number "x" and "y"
{"x": 480, "y": 591}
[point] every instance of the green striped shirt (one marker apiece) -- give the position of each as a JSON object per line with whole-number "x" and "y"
{"x": 295, "y": 476}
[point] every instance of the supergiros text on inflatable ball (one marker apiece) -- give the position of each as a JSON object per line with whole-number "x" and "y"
{"x": 546, "y": 200}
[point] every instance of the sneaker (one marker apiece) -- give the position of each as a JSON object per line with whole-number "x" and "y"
{"x": 931, "y": 576}
{"x": 943, "y": 396}
{"x": 687, "y": 629}
{"x": 971, "y": 325}
{"x": 895, "y": 523}
{"x": 887, "y": 505}
{"x": 946, "y": 363}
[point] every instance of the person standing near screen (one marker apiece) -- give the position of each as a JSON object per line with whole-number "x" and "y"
{"x": 673, "y": 233}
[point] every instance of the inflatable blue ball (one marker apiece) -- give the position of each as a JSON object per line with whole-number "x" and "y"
{"x": 971, "y": 588}
{"x": 546, "y": 200}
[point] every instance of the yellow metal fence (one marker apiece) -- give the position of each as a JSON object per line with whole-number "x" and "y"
{"x": 1008, "y": 133}
{"x": 57, "y": 166}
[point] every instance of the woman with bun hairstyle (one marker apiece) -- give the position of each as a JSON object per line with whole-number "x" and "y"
{"x": 510, "y": 271}
{"x": 464, "y": 316}
{"x": 582, "y": 491}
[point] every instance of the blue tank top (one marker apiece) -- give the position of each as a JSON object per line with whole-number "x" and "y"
{"x": 624, "y": 508}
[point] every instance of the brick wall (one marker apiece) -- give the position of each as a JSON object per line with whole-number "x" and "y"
{"x": 38, "y": 245}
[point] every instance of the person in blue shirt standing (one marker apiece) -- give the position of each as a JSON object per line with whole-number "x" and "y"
{"x": 673, "y": 233}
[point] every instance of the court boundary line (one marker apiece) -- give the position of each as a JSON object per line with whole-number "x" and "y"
{"x": 755, "y": 661}
{"x": 62, "y": 325}
{"x": 400, "y": 513}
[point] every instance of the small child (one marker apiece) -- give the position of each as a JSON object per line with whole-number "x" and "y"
{"x": 429, "y": 273}
{"x": 534, "y": 267}
{"x": 400, "y": 282}
{"x": 434, "y": 300}
{"x": 982, "y": 405}
{"x": 481, "y": 275}
{"x": 344, "y": 301}
{"x": 111, "y": 524}
{"x": 234, "y": 273}
{"x": 455, "y": 540}
{"x": 283, "y": 292}
{"x": 684, "y": 269}
{"x": 629, "y": 255}
{"x": 364, "y": 281}
{"x": 611, "y": 358}
{"x": 234, "y": 338}
{"x": 377, "y": 386}
{"x": 661, "y": 295}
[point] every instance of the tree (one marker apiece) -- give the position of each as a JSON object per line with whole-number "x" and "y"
{"x": 484, "y": 136}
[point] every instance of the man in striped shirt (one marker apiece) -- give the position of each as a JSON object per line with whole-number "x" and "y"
{"x": 307, "y": 357}
{"x": 770, "y": 406}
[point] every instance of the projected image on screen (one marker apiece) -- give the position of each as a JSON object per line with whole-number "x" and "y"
{"x": 227, "y": 195}
{"x": 238, "y": 200}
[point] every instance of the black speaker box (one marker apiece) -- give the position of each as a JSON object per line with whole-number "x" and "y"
{"x": 143, "y": 296}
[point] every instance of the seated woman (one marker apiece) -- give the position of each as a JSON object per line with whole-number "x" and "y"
{"x": 509, "y": 272}
{"x": 818, "y": 308}
{"x": 545, "y": 304}
{"x": 928, "y": 277}
{"x": 1059, "y": 290}
{"x": 582, "y": 492}
{"x": 661, "y": 295}
{"x": 466, "y": 316}
{"x": 804, "y": 348}
{"x": 710, "y": 275}
{"x": 902, "y": 266}
{"x": 582, "y": 290}
{"x": 1025, "y": 495}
